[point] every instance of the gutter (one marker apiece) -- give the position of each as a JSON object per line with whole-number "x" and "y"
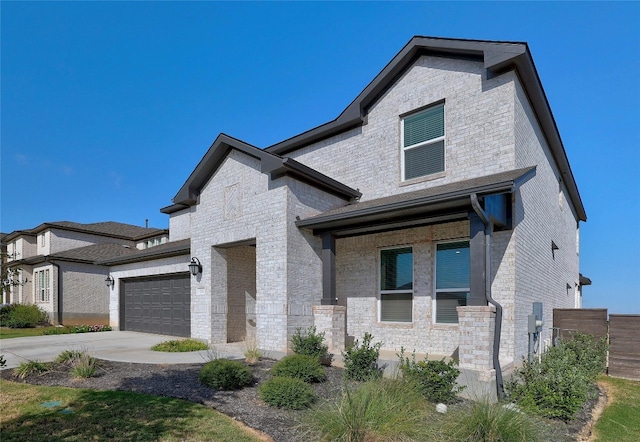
{"x": 487, "y": 278}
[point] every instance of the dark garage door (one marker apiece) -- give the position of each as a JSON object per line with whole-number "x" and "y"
{"x": 159, "y": 304}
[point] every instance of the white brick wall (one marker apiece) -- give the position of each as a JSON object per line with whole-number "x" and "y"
{"x": 540, "y": 219}
{"x": 475, "y": 145}
{"x": 180, "y": 225}
{"x": 357, "y": 285}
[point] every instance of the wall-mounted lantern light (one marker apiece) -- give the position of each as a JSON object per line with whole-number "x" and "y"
{"x": 195, "y": 267}
{"x": 109, "y": 281}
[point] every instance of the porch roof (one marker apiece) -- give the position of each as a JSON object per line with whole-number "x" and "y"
{"x": 444, "y": 203}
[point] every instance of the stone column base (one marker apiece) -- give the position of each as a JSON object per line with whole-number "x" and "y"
{"x": 332, "y": 321}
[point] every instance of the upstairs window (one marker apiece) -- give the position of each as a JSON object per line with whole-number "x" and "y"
{"x": 423, "y": 143}
{"x": 396, "y": 285}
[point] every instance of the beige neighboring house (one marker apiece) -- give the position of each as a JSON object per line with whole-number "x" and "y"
{"x": 437, "y": 212}
{"x": 57, "y": 270}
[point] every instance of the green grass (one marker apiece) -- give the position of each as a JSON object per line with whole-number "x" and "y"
{"x": 108, "y": 415}
{"x": 181, "y": 345}
{"x": 7, "y": 333}
{"x": 620, "y": 421}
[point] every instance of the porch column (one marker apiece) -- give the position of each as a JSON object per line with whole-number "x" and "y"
{"x": 475, "y": 352}
{"x": 332, "y": 321}
{"x": 328, "y": 270}
{"x": 477, "y": 252}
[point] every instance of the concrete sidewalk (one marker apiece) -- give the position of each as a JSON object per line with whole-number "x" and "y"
{"x": 121, "y": 346}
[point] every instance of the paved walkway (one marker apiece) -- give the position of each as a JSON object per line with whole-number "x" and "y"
{"x": 122, "y": 346}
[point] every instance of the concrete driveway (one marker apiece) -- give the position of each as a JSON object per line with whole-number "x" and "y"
{"x": 122, "y": 346}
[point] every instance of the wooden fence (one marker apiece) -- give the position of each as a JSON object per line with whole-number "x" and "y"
{"x": 623, "y": 332}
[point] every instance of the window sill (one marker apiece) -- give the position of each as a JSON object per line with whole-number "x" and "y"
{"x": 422, "y": 179}
{"x": 389, "y": 324}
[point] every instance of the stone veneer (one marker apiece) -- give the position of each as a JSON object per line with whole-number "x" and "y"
{"x": 332, "y": 321}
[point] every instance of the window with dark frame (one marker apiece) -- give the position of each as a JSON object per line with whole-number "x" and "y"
{"x": 423, "y": 143}
{"x": 396, "y": 285}
{"x": 453, "y": 271}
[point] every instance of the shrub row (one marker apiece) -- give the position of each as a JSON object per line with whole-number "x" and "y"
{"x": 22, "y": 315}
{"x": 562, "y": 380}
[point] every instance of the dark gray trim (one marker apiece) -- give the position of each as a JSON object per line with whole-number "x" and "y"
{"x": 271, "y": 164}
{"x": 498, "y": 57}
{"x": 477, "y": 256}
{"x": 328, "y": 270}
{"x": 413, "y": 208}
{"x": 584, "y": 280}
{"x": 173, "y": 208}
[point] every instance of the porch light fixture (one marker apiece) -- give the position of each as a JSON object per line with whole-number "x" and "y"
{"x": 109, "y": 281}
{"x": 195, "y": 267}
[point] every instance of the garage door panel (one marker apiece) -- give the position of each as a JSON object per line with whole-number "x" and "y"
{"x": 158, "y": 305}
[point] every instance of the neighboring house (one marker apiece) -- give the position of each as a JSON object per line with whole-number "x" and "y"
{"x": 57, "y": 270}
{"x": 432, "y": 213}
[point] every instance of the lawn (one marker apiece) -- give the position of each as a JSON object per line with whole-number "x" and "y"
{"x": 6, "y": 332}
{"x": 620, "y": 421}
{"x": 36, "y": 413}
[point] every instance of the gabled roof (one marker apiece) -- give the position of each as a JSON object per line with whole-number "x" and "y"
{"x": 109, "y": 228}
{"x": 498, "y": 57}
{"x": 270, "y": 163}
{"x": 427, "y": 206}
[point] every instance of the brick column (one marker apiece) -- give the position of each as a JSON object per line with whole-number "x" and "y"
{"x": 332, "y": 321}
{"x": 477, "y": 328}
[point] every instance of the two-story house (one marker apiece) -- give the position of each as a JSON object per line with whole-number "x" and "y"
{"x": 433, "y": 213}
{"x": 57, "y": 270}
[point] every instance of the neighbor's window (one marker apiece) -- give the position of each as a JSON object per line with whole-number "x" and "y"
{"x": 423, "y": 143}
{"x": 42, "y": 283}
{"x": 396, "y": 285}
{"x": 452, "y": 280}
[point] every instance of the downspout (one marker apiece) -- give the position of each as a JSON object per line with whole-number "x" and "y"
{"x": 487, "y": 278}
{"x": 59, "y": 290}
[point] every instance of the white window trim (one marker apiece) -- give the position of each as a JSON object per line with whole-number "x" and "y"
{"x": 40, "y": 290}
{"x": 404, "y": 148}
{"x": 390, "y": 292}
{"x": 434, "y": 301}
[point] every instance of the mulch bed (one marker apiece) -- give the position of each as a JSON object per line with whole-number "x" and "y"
{"x": 181, "y": 381}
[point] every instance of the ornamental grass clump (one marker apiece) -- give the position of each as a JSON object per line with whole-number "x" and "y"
{"x": 224, "y": 374}
{"x": 31, "y": 367}
{"x": 382, "y": 409}
{"x": 303, "y": 367}
{"x": 84, "y": 366}
{"x": 288, "y": 393}
{"x": 497, "y": 422}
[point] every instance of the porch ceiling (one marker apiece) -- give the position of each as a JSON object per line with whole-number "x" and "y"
{"x": 434, "y": 205}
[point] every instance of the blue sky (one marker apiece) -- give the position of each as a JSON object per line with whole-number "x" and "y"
{"x": 106, "y": 107}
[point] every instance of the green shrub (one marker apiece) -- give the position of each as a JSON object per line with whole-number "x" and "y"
{"x": 436, "y": 380}
{"x": 486, "y": 422}
{"x": 554, "y": 387}
{"x": 382, "y": 409}
{"x": 289, "y": 393}
{"x": 31, "y": 367}
{"x": 309, "y": 343}
{"x": 361, "y": 360}
{"x": 5, "y": 313}
{"x": 181, "y": 345}
{"x": 70, "y": 329}
{"x": 590, "y": 353}
{"x": 224, "y": 374}
{"x": 305, "y": 368}
{"x": 26, "y": 316}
